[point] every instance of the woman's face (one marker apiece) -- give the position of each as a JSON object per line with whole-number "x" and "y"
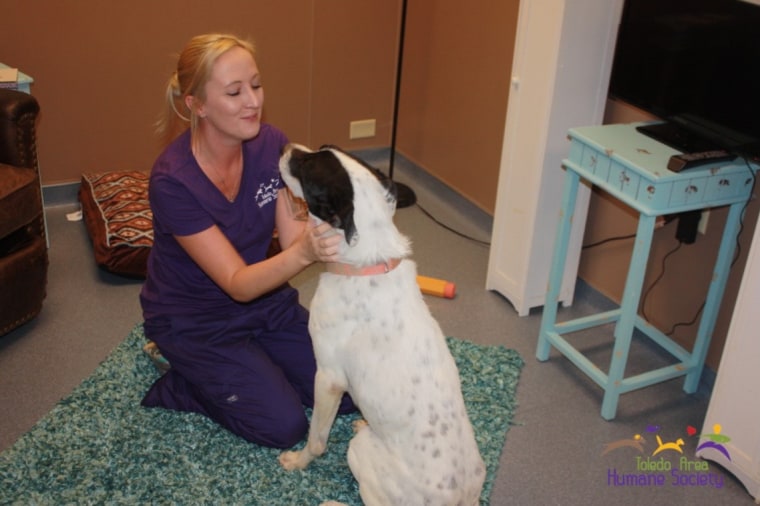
{"x": 234, "y": 98}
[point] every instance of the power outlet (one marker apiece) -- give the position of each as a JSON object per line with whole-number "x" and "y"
{"x": 362, "y": 129}
{"x": 702, "y": 227}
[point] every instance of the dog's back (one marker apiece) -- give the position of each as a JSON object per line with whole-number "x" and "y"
{"x": 379, "y": 333}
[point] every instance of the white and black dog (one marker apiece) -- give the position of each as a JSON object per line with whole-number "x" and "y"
{"x": 374, "y": 338}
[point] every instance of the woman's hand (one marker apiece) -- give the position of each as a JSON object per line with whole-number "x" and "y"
{"x": 219, "y": 259}
{"x": 321, "y": 242}
{"x": 306, "y": 241}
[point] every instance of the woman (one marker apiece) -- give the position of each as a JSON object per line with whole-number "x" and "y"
{"x": 216, "y": 305}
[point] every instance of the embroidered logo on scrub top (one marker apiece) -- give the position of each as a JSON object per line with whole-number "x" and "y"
{"x": 267, "y": 192}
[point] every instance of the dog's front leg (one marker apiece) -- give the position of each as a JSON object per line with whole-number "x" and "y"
{"x": 327, "y": 395}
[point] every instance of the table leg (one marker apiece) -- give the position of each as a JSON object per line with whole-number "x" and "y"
{"x": 714, "y": 297}
{"x": 562, "y": 240}
{"x": 628, "y": 314}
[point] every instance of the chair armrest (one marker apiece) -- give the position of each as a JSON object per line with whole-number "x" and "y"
{"x": 18, "y": 117}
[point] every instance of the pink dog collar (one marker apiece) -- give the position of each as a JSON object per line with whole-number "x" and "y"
{"x": 372, "y": 270}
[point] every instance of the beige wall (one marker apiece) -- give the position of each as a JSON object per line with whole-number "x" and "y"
{"x": 100, "y": 70}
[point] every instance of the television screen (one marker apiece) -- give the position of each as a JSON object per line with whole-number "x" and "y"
{"x": 693, "y": 63}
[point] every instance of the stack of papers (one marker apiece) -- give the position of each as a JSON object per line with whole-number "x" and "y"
{"x": 9, "y": 78}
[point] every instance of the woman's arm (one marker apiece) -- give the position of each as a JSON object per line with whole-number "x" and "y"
{"x": 291, "y": 217}
{"x": 302, "y": 245}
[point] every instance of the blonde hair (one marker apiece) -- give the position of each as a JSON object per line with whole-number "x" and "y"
{"x": 194, "y": 66}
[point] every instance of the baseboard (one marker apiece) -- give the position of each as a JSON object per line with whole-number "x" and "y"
{"x": 60, "y": 194}
{"x": 430, "y": 187}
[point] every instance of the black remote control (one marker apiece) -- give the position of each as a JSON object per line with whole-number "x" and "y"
{"x": 685, "y": 161}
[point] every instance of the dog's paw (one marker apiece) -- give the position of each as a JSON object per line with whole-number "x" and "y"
{"x": 359, "y": 424}
{"x": 292, "y": 460}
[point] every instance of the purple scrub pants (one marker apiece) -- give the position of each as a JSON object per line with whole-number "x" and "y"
{"x": 251, "y": 372}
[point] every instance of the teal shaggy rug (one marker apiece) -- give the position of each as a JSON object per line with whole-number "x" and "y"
{"x": 98, "y": 446}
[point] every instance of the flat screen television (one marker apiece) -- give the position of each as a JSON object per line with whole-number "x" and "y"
{"x": 693, "y": 63}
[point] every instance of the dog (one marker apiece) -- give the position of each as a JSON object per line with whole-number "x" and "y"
{"x": 374, "y": 337}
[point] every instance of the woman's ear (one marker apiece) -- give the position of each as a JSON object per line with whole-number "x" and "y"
{"x": 194, "y": 106}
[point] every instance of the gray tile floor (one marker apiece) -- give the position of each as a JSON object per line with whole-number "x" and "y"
{"x": 553, "y": 453}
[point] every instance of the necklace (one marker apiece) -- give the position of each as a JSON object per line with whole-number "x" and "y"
{"x": 229, "y": 190}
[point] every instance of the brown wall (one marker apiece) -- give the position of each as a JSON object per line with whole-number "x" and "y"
{"x": 455, "y": 86}
{"x": 679, "y": 294}
{"x": 100, "y": 70}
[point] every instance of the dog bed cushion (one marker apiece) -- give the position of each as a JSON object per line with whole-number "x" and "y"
{"x": 118, "y": 218}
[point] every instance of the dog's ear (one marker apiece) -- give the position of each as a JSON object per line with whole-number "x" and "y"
{"x": 328, "y": 192}
{"x": 387, "y": 183}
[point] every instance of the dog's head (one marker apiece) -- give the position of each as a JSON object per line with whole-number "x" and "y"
{"x": 352, "y": 196}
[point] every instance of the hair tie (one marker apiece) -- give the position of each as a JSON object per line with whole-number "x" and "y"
{"x": 176, "y": 94}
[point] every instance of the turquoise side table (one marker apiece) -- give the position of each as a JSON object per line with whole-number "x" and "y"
{"x": 633, "y": 168}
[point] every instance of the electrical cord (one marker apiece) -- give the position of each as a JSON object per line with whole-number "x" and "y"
{"x": 686, "y": 324}
{"x": 609, "y": 239}
{"x": 450, "y": 229}
{"x": 737, "y": 254}
{"x": 744, "y": 209}
{"x": 657, "y": 280}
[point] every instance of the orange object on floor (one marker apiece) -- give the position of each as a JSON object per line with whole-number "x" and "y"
{"x": 437, "y": 287}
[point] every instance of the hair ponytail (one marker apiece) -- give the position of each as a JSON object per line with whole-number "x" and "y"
{"x": 171, "y": 121}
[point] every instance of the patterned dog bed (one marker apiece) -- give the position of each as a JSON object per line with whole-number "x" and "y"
{"x": 118, "y": 218}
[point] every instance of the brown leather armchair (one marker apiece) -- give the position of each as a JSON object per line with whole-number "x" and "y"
{"x": 23, "y": 246}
